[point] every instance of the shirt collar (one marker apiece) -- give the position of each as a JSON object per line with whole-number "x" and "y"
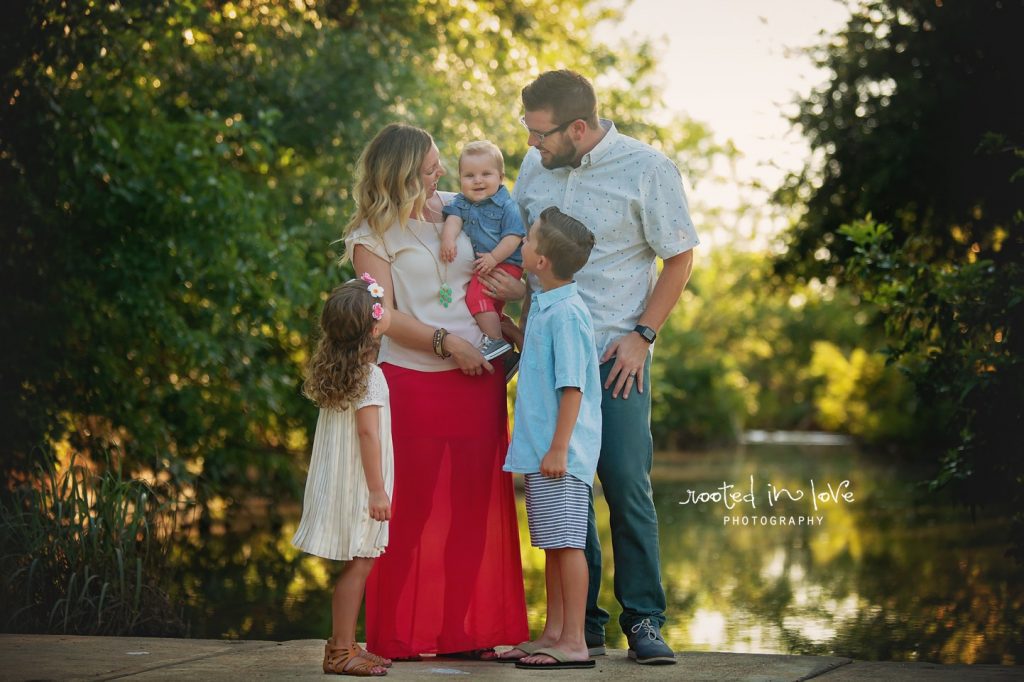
{"x": 545, "y": 299}
{"x": 501, "y": 197}
{"x": 602, "y": 148}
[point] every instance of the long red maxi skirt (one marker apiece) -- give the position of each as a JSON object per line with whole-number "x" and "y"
{"x": 451, "y": 578}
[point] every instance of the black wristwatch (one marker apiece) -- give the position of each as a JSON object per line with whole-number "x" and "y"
{"x": 646, "y": 333}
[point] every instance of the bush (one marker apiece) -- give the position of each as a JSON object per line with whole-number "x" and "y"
{"x": 954, "y": 330}
{"x": 82, "y": 553}
{"x": 745, "y": 349}
{"x": 861, "y": 394}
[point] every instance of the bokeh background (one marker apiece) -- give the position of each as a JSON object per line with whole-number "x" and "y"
{"x": 174, "y": 177}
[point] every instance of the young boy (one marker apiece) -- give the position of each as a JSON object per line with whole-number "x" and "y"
{"x": 492, "y": 222}
{"x": 557, "y": 435}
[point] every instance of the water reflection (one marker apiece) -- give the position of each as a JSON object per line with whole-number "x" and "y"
{"x": 888, "y": 575}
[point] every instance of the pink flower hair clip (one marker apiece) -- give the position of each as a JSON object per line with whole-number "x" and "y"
{"x": 376, "y": 290}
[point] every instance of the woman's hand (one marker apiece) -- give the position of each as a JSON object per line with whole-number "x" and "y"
{"x": 502, "y": 286}
{"x": 467, "y": 356}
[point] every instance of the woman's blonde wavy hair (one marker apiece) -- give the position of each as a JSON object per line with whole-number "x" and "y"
{"x": 339, "y": 368}
{"x": 389, "y": 187}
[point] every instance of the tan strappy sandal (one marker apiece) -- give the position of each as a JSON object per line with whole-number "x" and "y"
{"x": 342, "y": 661}
{"x": 379, "y": 660}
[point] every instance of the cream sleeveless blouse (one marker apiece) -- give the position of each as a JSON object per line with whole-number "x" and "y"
{"x": 414, "y": 252}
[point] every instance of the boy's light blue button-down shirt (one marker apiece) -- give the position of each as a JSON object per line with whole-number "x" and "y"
{"x": 489, "y": 221}
{"x": 558, "y": 352}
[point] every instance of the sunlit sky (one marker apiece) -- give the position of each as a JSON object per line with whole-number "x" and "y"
{"x": 736, "y": 65}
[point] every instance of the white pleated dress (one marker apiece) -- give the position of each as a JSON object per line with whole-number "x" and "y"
{"x": 336, "y": 521}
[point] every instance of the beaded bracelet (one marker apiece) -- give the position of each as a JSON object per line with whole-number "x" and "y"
{"x": 440, "y": 335}
{"x": 444, "y": 336}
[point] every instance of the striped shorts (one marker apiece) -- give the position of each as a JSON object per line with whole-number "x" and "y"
{"x": 556, "y": 510}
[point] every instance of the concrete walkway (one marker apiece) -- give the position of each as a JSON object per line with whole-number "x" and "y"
{"x": 56, "y": 657}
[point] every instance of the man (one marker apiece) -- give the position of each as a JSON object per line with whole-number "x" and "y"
{"x": 632, "y": 197}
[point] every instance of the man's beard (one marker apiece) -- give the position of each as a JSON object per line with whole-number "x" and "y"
{"x": 564, "y": 156}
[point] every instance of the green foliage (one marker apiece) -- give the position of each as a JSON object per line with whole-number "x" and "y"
{"x": 860, "y": 395}
{"x": 916, "y": 125}
{"x": 951, "y": 329}
{"x": 161, "y": 295}
{"x": 917, "y": 206}
{"x": 173, "y": 177}
{"x": 744, "y": 350}
{"x": 80, "y": 554}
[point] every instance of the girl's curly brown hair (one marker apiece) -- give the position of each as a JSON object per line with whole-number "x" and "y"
{"x": 337, "y": 373}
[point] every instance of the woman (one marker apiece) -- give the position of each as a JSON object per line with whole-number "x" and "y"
{"x": 451, "y": 579}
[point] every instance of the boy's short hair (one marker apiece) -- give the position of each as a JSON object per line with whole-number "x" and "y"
{"x": 566, "y": 94}
{"x": 484, "y": 148}
{"x": 564, "y": 241}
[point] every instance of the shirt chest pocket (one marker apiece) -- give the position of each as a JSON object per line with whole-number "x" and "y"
{"x": 610, "y": 218}
{"x": 491, "y": 215}
{"x": 535, "y": 353}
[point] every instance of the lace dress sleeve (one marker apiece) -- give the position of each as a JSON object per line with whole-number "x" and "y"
{"x": 376, "y": 389}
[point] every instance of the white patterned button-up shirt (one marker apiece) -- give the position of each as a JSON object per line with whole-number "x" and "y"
{"x": 631, "y": 197}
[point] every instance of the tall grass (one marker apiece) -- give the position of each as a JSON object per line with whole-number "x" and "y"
{"x": 82, "y": 553}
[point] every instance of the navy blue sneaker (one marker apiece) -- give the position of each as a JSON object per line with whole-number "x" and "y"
{"x": 595, "y": 645}
{"x": 647, "y": 646}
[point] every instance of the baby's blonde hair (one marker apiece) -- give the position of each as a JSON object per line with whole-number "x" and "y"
{"x": 484, "y": 148}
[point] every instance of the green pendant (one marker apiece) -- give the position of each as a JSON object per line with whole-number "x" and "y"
{"x": 445, "y": 295}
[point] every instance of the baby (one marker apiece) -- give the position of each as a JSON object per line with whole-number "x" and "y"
{"x": 485, "y": 210}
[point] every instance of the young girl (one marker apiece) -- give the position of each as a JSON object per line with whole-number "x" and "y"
{"x": 347, "y": 502}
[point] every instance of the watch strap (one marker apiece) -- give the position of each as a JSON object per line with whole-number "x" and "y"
{"x": 646, "y": 333}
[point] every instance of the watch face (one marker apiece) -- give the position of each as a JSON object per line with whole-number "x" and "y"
{"x": 646, "y": 332}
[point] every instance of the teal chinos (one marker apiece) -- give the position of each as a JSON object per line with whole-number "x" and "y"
{"x": 624, "y": 470}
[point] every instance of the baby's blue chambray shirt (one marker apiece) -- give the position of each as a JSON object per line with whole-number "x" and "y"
{"x": 489, "y": 221}
{"x": 558, "y": 352}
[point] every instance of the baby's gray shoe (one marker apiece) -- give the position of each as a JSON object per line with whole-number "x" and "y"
{"x": 494, "y": 348}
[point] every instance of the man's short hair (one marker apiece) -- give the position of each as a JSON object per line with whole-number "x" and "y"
{"x": 564, "y": 241}
{"x": 484, "y": 148}
{"x": 567, "y": 94}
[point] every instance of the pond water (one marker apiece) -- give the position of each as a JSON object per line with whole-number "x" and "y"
{"x": 869, "y": 567}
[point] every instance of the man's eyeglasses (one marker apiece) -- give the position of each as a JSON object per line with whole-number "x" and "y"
{"x": 541, "y": 135}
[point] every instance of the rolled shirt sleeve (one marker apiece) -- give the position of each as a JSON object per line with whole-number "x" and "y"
{"x": 665, "y": 212}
